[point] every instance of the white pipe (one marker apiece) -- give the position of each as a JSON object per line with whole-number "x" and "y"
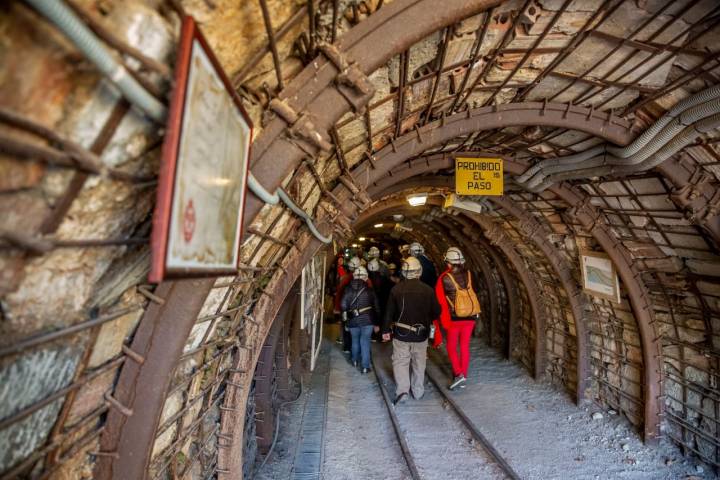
{"x": 85, "y": 40}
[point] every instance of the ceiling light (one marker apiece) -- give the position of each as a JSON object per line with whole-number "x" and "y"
{"x": 417, "y": 200}
{"x": 398, "y": 217}
{"x": 354, "y": 245}
{"x": 378, "y": 225}
{"x": 362, "y": 239}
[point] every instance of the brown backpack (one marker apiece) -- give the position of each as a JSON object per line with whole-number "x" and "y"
{"x": 466, "y": 302}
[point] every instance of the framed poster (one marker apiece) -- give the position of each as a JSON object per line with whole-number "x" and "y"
{"x": 599, "y": 276}
{"x": 312, "y": 287}
{"x": 197, "y": 221}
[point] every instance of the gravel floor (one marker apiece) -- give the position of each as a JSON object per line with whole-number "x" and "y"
{"x": 538, "y": 429}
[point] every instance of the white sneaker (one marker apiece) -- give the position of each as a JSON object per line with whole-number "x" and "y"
{"x": 458, "y": 381}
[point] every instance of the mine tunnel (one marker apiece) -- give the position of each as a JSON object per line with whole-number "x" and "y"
{"x": 180, "y": 180}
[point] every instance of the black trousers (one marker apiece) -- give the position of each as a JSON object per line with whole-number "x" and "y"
{"x": 347, "y": 338}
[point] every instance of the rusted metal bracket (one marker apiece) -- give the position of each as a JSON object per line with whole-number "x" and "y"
{"x": 300, "y": 125}
{"x": 145, "y": 291}
{"x": 350, "y": 76}
{"x": 359, "y": 195}
{"x": 133, "y": 355}
{"x": 125, "y": 411}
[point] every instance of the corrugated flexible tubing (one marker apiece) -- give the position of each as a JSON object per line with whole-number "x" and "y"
{"x": 87, "y": 42}
{"x": 671, "y": 130}
{"x": 646, "y": 141}
{"x": 687, "y": 136}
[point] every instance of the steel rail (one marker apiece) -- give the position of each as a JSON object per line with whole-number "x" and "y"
{"x": 476, "y": 433}
{"x": 407, "y": 455}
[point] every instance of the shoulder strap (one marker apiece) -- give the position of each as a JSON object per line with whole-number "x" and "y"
{"x": 452, "y": 279}
{"x": 357, "y": 296}
{"x": 469, "y": 285}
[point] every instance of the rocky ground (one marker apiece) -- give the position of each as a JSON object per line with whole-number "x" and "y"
{"x": 538, "y": 429}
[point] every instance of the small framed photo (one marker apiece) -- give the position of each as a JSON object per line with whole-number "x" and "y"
{"x": 599, "y": 276}
{"x": 198, "y": 217}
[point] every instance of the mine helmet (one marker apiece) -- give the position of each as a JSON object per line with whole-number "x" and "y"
{"x": 374, "y": 252}
{"x": 392, "y": 266}
{"x": 411, "y": 268}
{"x": 373, "y": 265}
{"x": 353, "y": 263}
{"x": 404, "y": 248}
{"x": 416, "y": 249}
{"x": 454, "y": 256}
{"x": 360, "y": 273}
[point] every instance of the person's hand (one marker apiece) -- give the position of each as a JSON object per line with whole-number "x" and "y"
{"x": 376, "y": 329}
{"x": 386, "y": 337}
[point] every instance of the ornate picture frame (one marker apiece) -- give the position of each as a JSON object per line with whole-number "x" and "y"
{"x": 197, "y": 223}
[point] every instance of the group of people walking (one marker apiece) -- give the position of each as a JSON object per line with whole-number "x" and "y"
{"x": 409, "y": 307}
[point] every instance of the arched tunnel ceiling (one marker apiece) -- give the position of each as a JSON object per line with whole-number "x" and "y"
{"x": 582, "y": 71}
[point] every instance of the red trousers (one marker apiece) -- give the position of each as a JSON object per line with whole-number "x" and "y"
{"x": 459, "y": 331}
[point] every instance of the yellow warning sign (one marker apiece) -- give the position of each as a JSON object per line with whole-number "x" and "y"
{"x": 479, "y": 176}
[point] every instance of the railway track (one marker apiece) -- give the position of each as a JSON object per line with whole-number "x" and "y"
{"x": 429, "y": 406}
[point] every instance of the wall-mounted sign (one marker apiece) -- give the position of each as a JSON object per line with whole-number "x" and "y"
{"x": 478, "y": 176}
{"x": 203, "y": 175}
{"x": 599, "y": 276}
{"x": 312, "y": 286}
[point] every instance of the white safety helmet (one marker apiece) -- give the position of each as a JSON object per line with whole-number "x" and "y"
{"x": 353, "y": 263}
{"x": 360, "y": 273}
{"x": 411, "y": 268}
{"x": 416, "y": 249}
{"x": 373, "y": 265}
{"x": 374, "y": 252}
{"x": 454, "y": 256}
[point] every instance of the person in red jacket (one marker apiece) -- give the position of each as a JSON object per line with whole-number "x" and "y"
{"x": 457, "y": 315}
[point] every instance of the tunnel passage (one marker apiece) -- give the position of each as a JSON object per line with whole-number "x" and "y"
{"x": 356, "y": 105}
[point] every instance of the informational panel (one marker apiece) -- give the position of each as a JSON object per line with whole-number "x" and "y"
{"x": 312, "y": 286}
{"x": 478, "y": 176}
{"x": 203, "y": 175}
{"x": 599, "y": 276}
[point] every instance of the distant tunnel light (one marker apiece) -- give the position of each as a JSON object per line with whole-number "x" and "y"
{"x": 378, "y": 225}
{"x": 361, "y": 239}
{"x": 417, "y": 200}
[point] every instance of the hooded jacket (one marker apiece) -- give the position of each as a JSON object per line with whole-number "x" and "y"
{"x": 358, "y": 295}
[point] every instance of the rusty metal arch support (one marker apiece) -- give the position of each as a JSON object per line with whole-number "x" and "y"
{"x": 536, "y": 232}
{"x": 313, "y": 94}
{"x": 264, "y": 373}
{"x": 589, "y": 217}
{"x": 319, "y": 99}
{"x": 447, "y": 128}
{"x": 592, "y": 220}
{"x": 230, "y": 459}
{"x": 142, "y": 387}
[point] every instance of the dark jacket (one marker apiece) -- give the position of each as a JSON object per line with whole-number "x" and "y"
{"x": 446, "y": 290}
{"x": 359, "y": 295}
{"x": 413, "y": 303}
{"x": 429, "y": 273}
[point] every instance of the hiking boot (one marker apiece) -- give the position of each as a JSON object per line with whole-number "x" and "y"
{"x": 354, "y": 363}
{"x": 458, "y": 381}
{"x": 400, "y": 398}
{"x": 365, "y": 370}
{"x": 418, "y": 397}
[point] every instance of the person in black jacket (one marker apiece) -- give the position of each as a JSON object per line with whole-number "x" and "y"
{"x": 359, "y": 303}
{"x": 411, "y": 309}
{"x": 429, "y": 273}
